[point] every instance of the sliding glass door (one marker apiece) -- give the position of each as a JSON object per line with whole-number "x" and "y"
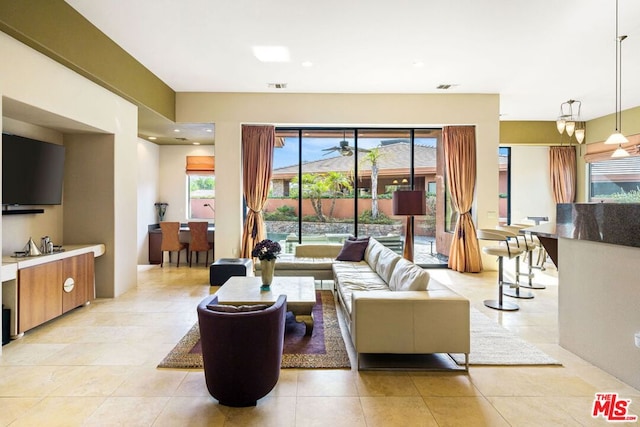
{"x": 331, "y": 183}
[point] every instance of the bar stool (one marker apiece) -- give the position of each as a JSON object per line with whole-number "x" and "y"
{"x": 499, "y": 251}
{"x": 518, "y": 241}
{"x": 531, "y": 244}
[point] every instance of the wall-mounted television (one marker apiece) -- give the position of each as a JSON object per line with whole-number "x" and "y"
{"x": 32, "y": 171}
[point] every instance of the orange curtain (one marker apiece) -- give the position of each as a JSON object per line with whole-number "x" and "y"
{"x": 257, "y": 165}
{"x": 562, "y": 166}
{"x": 460, "y": 156}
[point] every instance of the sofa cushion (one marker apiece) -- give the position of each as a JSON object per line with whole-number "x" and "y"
{"x": 386, "y": 263}
{"x": 352, "y": 250}
{"x": 356, "y": 276}
{"x": 312, "y": 250}
{"x": 408, "y": 277}
{"x": 303, "y": 263}
{"x": 225, "y": 308}
{"x": 373, "y": 252}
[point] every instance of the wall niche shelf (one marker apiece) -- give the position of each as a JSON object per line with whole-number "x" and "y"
{"x": 21, "y": 211}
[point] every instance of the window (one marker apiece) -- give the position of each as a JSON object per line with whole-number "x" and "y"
{"x": 202, "y": 196}
{"x": 615, "y": 180}
{"x": 201, "y": 187}
{"x": 504, "y": 184}
{"x": 329, "y": 183}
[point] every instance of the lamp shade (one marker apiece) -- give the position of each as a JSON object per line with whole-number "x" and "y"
{"x": 409, "y": 202}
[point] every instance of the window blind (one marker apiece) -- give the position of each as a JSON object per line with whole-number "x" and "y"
{"x": 200, "y": 165}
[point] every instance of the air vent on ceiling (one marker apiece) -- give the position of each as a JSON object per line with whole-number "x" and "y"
{"x": 181, "y": 139}
{"x": 443, "y": 86}
{"x": 277, "y": 85}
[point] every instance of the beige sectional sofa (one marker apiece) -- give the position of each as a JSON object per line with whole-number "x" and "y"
{"x": 391, "y": 305}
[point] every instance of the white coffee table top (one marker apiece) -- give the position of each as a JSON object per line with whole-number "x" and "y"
{"x": 244, "y": 289}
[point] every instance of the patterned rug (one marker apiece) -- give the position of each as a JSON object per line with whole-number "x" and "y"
{"x": 325, "y": 348}
{"x": 491, "y": 344}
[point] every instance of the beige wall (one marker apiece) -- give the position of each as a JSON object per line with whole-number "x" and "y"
{"x": 598, "y": 305}
{"x": 230, "y": 110}
{"x": 54, "y": 97}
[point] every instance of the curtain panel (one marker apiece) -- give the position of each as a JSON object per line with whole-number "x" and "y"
{"x": 460, "y": 156}
{"x": 562, "y": 168}
{"x": 257, "y": 166}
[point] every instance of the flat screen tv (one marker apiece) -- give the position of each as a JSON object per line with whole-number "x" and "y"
{"x": 32, "y": 171}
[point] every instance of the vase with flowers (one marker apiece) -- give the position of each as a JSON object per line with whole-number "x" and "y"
{"x": 266, "y": 251}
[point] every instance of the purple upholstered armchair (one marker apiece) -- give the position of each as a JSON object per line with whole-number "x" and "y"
{"x": 241, "y": 351}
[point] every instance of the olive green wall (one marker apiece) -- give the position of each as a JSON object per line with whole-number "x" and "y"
{"x": 599, "y": 129}
{"x": 54, "y": 28}
{"x": 529, "y": 132}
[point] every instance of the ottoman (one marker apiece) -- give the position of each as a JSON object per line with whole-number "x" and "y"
{"x": 223, "y": 268}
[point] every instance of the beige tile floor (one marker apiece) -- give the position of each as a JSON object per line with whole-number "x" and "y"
{"x": 97, "y": 366}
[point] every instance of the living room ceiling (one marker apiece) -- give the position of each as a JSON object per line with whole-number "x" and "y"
{"x": 535, "y": 54}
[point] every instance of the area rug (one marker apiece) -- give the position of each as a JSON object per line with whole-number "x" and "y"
{"x": 325, "y": 348}
{"x": 491, "y": 344}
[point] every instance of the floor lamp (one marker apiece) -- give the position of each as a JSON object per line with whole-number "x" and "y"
{"x": 409, "y": 203}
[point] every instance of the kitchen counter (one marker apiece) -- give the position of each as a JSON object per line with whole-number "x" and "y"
{"x": 12, "y": 264}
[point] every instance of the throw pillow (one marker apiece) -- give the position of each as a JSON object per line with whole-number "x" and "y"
{"x": 361, "y": 238}
{"x": 225, "y": 308}
{"x": 352, "y": 250}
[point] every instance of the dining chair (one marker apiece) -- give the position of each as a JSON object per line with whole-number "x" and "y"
{"x": 171, "y": 241}
{"x": 199, "y": 240}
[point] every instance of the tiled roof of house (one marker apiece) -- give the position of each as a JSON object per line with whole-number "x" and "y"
{"x": 393, "y": 157}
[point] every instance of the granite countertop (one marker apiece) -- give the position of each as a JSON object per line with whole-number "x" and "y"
{"x": 613, "y": 223}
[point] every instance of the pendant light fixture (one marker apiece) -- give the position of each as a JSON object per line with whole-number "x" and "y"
{"x": 617, "y": 137}
{"x": 569, "y": 120}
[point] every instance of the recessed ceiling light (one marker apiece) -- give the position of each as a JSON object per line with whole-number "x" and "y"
{"x": 307, "y": 64}
{"x": 152, "y": 138}
{"x": 176, "y": 130}
{"x": 195, "y": 143}
{"x": 271, "y": 53}
{"x": 209, "y": 130}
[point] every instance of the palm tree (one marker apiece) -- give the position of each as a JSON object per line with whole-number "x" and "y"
{"x": 313, "y": 187}
{"x": 336, "y": 182}
{"x": 373, "y": 156}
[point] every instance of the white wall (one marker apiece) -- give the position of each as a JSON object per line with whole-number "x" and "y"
{"x": 148, "y": 194}
{"x": 58, "y": 98}
{"x": 530, "y": 183}
{"x": 173, "y": 181}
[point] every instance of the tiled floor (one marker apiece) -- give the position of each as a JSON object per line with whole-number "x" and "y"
{"x": 97, "y": 366}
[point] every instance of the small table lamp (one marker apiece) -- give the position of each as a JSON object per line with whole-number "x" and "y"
{"x": 409, "y": 203}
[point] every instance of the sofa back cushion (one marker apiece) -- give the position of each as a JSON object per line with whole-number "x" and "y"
{"x": 408, "y": 277}
{"x": 386, "y": 263}
{"x": 318, "y": 251}
{"x": 372, "y": 252}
